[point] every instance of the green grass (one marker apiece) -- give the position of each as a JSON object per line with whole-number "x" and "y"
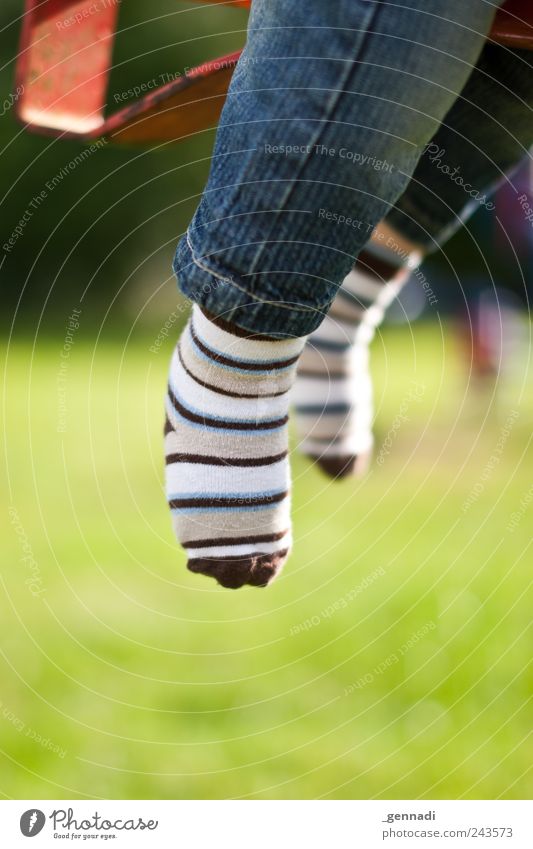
{"x": 155, "y": 683}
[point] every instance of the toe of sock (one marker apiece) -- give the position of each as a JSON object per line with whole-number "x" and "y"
{"x": 257, "y": 570}
{"x": 343, "y": 465}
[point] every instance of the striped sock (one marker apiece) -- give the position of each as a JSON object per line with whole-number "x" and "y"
{"x": 226, "y": 442}
{"x": 333, "y": 390}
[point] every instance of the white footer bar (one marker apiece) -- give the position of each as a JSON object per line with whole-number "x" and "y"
{"x": 267, "y": 824}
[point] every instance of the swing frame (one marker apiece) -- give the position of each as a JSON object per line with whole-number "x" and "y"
{"x": 65, "y": 57}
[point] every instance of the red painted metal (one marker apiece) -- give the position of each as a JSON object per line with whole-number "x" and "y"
{"x": 66, "y": 53}
{"x": 178, "y": 109}
{"x": 65, "y": 57}
{"x": 245, "y": 3}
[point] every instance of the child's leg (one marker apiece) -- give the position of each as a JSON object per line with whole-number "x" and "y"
{"x": 333, "y": 391}
{"x": 328, "y": 110}
{"x": 485, "y": 134}
{"x": 226, "y": 446}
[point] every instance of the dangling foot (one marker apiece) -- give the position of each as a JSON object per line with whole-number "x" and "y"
{"x": 333, "y": 390}
{"x": 226, "y": 444}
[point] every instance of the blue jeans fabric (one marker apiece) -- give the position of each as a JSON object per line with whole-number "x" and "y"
{"x": 328, "y": 113}
{"x": 486, "y": 133}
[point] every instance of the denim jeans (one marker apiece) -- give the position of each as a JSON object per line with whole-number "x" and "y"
{"x": 329, "y": 111}
{"x": 486, "y": 133}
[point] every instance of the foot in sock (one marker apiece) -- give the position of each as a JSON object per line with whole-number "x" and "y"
{"x": 333, "y": 391}
{"x": 226, "y": 445}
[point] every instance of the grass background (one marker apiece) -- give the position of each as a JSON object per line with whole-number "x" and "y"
{"x": 155, "y": 683}
{"x": 128, "y": 677}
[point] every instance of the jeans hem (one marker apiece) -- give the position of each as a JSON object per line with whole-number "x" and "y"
{"x": 226, "y": 295}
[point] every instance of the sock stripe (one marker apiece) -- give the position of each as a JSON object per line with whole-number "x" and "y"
{"x": 376, "y": 266}
{"x": 329, "y": 345}
{"x": 323, "y": 409}
{"x": 322, "y": 375}
{"x": 342, "y": 318}
{"x": 240, "y": 365}
{"x": 218, "y": 389}
{"x": 327, "y": 440}
{"x": 248, "y": 425}
{"x": 361, "y": 290}
{"x": 243, "y": 462}
{"x": 226, "y": 541}
{"x": 235, "y": 330}
{"x": 228, "y": 502}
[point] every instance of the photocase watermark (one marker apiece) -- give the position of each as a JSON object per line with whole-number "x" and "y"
{"x": 23, "y": 222}
{"x": 414, "y": 394}
{"x": 526, "y": 207}
{"x": 29, "y": 732}
{"x": 365, "y": 160}
{"x": 340, "y": 604}
{"x": 419, "y": 275}
{"x": 492, "y": 463}
{"x": 66, "y": 824}
{"x": 40, "y": 197}
{"x": 66, "y": 820}
{"x": 391, "y": 243}
{"x": 167, "y": 77}
{"x": 145, "y": 87}
{"x": 436, "y": 155}
{"x": 184, "y": 309}
{"x": 11, "y": 99}
{"x": 340, "y": 218}
{"x": 517, "y": 515}
{"x": 246, "y": 499}
{"x": 32, "y": 822}
{"x": 71, "y": 166}
{"x": 392, "y": 659}
{"x": 86, "y": 12}
{"x": 34, "y": 581}
{"x": 164, "y": 331}
{"x": 62, "y": 375}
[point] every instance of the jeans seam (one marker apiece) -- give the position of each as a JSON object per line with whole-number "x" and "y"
{"x": 335, "y": 97}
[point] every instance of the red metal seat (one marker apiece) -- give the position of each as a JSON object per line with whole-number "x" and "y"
{"x": 66, "y": 53}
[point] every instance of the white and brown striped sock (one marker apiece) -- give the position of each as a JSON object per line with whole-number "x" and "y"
{"x": 226, "y": 444}
{"x": 333, "y": 390}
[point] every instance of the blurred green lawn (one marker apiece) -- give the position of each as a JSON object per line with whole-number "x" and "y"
{"x": 150, "y": 682}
